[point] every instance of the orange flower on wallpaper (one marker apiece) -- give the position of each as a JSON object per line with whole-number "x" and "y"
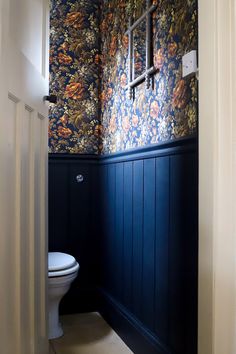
{"x": 103, "y": 26}
{"x": 180, "y": 95}
{"x": 123, "y": 80}
{"x": 112, "y": 124}
{"x": 64, "y": 59}
{"x": 159, "y": 58}
{"x": 109, "y": 92}
{"x": 97, "y": 59}
{"x": 125, "y": 41}
{"x": 103, "y": 96}
{"x": 172, "y": 48}
{"x": 110, "y": 17}
{"x": 51, "y": 56}
{"x": 64, "y": 120}
{"x": 106, "y": 22}
{"x": 126, "y": 124}
{"x": 98, "y": 130}
{"x": 64, "y": 46}
{"x": 113, "y": 46}
{"x": 75, "y": 19}
{"x": 50, "y": 133}
{"x": 64, "y": 132}
{"x": 75, "y": 90}
{"x": 122, "y": 4}
{"x": 154, "y": 109}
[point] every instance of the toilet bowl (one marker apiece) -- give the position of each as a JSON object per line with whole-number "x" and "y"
{"x": 62, "y": 271}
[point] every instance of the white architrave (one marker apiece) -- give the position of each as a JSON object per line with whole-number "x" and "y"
{"x": 217, "y": 177}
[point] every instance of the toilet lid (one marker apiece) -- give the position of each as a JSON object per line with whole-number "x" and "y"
{"x": 59, "y": 261}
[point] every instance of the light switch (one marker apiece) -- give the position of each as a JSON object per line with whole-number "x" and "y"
{"x": 189, "y": 63}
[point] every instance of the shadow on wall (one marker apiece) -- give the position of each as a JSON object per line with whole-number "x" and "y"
{"x": 87, "y": 40}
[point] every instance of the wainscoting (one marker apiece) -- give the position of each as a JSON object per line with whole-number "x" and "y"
{"x": 71, "y": 223}
{"x": 132, "y": 225}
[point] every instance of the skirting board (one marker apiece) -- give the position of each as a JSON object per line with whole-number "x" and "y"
{"x": 132, "y": 332}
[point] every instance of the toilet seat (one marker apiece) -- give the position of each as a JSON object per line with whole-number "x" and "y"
{"x": 61, "y": 264}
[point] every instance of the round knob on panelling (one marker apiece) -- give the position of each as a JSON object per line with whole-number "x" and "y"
{"x": 79, "y": 178}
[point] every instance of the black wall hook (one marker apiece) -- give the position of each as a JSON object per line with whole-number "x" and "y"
{"x": 50, "y": 98}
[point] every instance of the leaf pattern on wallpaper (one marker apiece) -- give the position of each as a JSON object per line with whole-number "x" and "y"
{"x": 74, "y": 125}
{"x": 88, "y": 65}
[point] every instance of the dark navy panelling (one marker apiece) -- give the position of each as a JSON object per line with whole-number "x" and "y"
{"x": 128, "y": 234}
{"x": 161, "y": 246}
{"x": 137, "y": 238}
{"x": 183, "y": 253}
{"x": 106, "y": 276}
{"x": 176, "y": 252}
{"x": 79, "y": 211}
{"x": 191, "y": 277}
{"x": 132, "y": 224}
{"x": 119, "y": 231}
{"x": 72, "y": 221}
{"x": 155, "y": 222}
{"x": 110, "y": 217}
{"x": 58, "y": 203}
{"x": 149, "y": 221}
{"x": 132, "y": 331}
{"x": 95, "y": 222}
{"x": 79, "y": 230}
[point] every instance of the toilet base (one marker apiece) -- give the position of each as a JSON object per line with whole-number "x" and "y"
{"x": 55, "y": 331}
{"x": 54, "y": 326}
{"x": 57, "y": 288}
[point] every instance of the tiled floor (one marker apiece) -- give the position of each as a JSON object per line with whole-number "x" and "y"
{"x": 87, "y": 334}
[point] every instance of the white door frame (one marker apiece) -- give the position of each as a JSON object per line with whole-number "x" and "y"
{"x": 24, "y": 27}
{"x": 217, "y": 177}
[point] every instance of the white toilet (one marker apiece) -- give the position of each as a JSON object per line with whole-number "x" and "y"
{"x": 62, "y": 271}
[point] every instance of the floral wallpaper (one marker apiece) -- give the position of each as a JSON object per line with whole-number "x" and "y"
{"x": 169, "y": 110}
{"x": 74, "y": 122}
{"x": 89, "y": 71}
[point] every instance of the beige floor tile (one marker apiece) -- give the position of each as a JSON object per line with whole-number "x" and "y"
{"x": 88, "y": 334}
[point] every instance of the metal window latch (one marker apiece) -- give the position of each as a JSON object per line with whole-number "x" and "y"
{"x": 79, "y": 178}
